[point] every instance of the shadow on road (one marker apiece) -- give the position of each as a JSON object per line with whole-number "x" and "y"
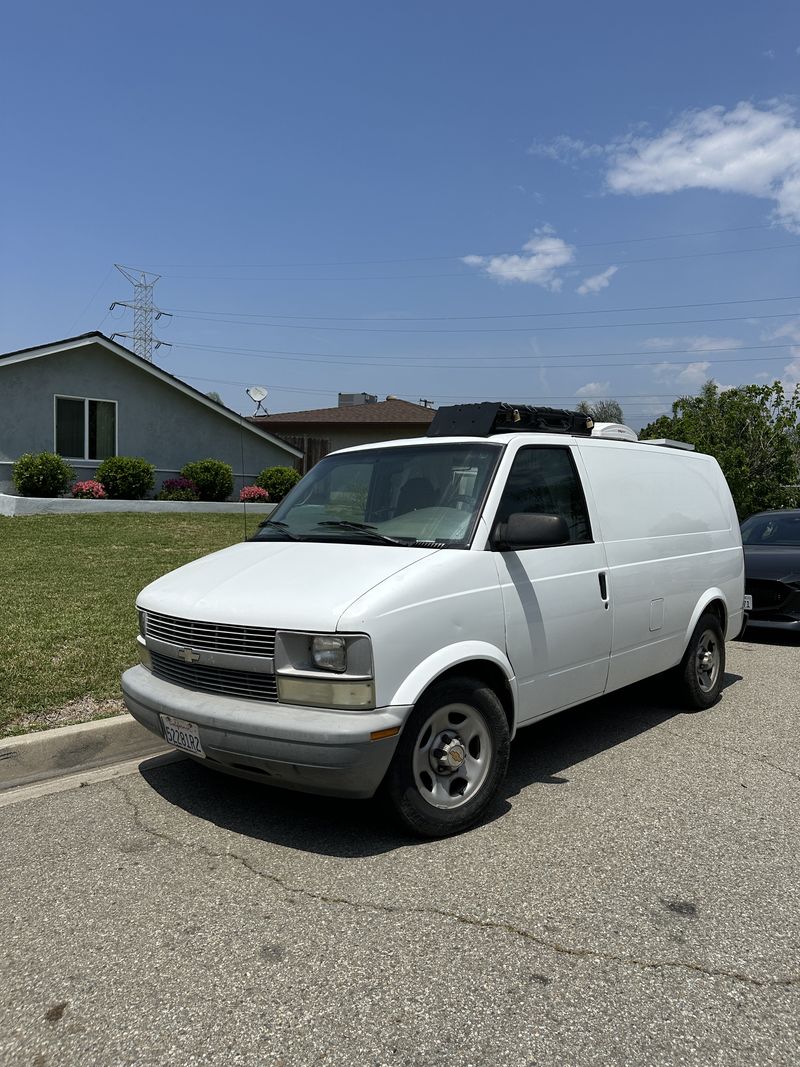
{"x": 356, "y": 828}
{"x": 770, "y": 636}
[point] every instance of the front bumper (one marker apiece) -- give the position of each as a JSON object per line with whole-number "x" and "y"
{"x": 309, "y": 749}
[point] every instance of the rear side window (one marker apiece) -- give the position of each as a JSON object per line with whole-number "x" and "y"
{"x": 544, "y": 481}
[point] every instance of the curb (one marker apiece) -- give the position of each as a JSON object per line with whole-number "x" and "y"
{"x": 72, "y": 749}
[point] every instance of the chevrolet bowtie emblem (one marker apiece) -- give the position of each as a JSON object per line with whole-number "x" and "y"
{"x": 188, "y": 655}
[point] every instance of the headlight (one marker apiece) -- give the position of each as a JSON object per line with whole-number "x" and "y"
{"x": 329, "y": 653}
{"x": 324, "y": 670}
{"x": 336, "y": 693}
{"x": 142, "y": 621}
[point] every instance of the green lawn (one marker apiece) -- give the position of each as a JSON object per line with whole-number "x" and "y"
{"x": 68, "y": 585}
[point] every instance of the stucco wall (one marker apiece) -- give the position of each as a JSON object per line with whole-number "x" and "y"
{"x": 154, "y": 419}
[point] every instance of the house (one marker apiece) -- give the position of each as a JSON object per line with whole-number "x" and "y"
{"x": 359, "y": 419}
{"x": 88, "y": 397}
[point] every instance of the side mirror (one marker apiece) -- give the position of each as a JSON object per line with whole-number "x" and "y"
{"x": 525, "y": 530}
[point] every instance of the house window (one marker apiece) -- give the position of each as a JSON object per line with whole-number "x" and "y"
{"x": 85, "y": 429}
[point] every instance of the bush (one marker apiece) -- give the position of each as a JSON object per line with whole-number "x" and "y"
{"x": 253, "y": 494}
{"x": 178, "y": 489}
{"x": 126, "y": 477}
{"x": 278, "y": 481}
{"x": 42, "y": 474}
{"x": 213, "y": 478}
{"x": 89, "y": 490}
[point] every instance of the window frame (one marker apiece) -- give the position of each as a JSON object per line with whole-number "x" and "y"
{"x": 86, "y": 401}
{"x": 591, "y": 539}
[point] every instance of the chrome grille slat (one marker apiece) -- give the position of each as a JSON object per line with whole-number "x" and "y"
{"x": 208, "y": 679}
{"x": 212, "y": 636}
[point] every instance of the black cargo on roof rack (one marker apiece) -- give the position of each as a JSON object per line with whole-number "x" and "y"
{"x": 482, "y": 420}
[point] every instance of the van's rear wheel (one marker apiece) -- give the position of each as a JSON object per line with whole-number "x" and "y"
{"x": 451, "y": 758}
{"x": 702, "y": 668}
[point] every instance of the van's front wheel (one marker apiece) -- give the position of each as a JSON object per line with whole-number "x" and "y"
{"x": 702, "y": 669}
{"x": 451, "y": 759}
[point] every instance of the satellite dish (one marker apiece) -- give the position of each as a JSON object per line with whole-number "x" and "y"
{"x": 258, "y": 394}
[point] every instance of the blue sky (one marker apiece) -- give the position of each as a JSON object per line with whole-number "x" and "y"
{"x": 454, "y": 200}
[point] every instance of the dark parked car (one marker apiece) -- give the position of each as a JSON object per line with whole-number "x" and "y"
{"x": 772, "y": 568}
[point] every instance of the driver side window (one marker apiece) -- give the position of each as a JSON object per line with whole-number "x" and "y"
{"x": 543, "y": 480}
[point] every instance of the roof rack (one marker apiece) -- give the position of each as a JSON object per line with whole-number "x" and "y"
{"x": 483, "y": 420}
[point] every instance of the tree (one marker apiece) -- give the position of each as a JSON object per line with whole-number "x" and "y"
{"x": 214, "y": 395}
{"x": 753, "y": 431}
{"x": 603, "y": 410}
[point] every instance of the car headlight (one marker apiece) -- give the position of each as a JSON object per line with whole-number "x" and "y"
{"x": 329, "y": 653}
{"x": 142, "y": 621}
{"x": 324, "y": 670}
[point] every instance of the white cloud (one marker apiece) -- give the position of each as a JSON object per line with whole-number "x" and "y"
{"x": 791, "y": 372}
{"x": 597, "y": 282}
{"x": 564, "y": 149}
{"x": 694, "y": 343}
{"x": 544, "y": 255}
{"x": 790, "y": 330}
{"x": 746, "y": 149}
{"x": 693, "y": 374}
{"x": 594, "y": 389}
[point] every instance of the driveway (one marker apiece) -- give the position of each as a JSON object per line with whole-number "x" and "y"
{"x": 634, "y": 899}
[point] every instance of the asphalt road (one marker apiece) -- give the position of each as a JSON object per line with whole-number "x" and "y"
{"x": 634, "y": 899}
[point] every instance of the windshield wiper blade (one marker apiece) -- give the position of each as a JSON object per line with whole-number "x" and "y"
{"x": 283, "y": 527}
{"x": 370, "y": 531}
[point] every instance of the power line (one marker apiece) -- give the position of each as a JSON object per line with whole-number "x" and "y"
{"x": 463, "y": 396}
{"x": 487, "y": 361}
{"x": 464, "y": 318}
{"x": 440, "y": 259}
{"x": 480, "y": 274}
{"x": 493, "y": 329}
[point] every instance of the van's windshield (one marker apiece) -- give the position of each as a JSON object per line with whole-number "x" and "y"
{"x": 427, "y": 495}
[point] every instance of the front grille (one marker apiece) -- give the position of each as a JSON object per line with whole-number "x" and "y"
{"x": 208, "y": 679}
{"x": 212, "y": 636}
{"x": 767, "y": 595}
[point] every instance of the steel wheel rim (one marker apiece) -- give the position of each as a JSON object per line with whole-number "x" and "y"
{"x": 707, "y": 661}
{"x": 452, "y": 756}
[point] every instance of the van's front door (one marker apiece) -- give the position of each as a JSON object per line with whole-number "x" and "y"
{"x": 556, "y": 598}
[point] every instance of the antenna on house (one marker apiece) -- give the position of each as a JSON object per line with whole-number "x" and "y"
{"x": 258, "y": 394}
{"x": 144, "y": 312}
{"x": 426, "y": 403}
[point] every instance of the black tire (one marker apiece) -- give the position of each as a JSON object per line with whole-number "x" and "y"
{"x": 702, "y": 669}
{"x": 438, "y": 785}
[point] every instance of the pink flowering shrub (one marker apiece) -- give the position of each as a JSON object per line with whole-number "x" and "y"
{"x": 89, "y": 490}
{"x": 254, "y": 494}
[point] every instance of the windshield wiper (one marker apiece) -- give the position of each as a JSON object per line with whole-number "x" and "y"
{"x": 370, "y": 531}
{"x": 283, "y": 527}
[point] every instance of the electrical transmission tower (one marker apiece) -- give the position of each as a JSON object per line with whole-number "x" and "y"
{"x": 144, "y": 312}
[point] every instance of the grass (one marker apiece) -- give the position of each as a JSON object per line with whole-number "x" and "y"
{"x": 68, "y": 585}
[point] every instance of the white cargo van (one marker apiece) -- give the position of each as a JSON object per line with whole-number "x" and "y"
{"x": 410, "y": 605}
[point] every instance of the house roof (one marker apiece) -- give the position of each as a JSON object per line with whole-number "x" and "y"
{"x": 390, "y": 412}
{"x": 98, "y": 338}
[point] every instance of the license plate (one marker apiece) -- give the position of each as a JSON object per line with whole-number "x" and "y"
{"x": 182, "y": 734}
{"x": 748, "y": 603}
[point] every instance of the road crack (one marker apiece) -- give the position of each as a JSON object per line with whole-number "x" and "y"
{"x": 476, "y": 922}
{"x": 758, "y": 757}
